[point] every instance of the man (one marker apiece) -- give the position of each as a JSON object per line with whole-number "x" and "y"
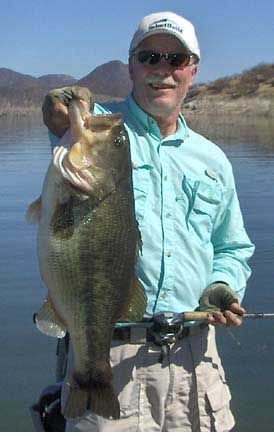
{"x": 194, "y": 245}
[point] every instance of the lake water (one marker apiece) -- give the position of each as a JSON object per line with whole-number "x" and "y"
{"x": 27, "y": 358}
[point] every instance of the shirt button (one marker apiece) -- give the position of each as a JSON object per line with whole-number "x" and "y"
{"x": 168, "y": 254}
{"x": 165, "y": 178}
{"x": 168, "y": 215}
{"x": 164, "y": 295}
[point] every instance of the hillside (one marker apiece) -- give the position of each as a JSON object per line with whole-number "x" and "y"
{"x": 251, "y": 92}
{"x": 22, "y": 94}
{"x": 248, "y": 94}
{"x": 51, "y": 81}
{"x": 111, "y": 79}
{"x": 257, "y": 80}
{"x": 10, "y": 79}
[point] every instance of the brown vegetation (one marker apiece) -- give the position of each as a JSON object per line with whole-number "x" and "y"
{"x": 248, "y": 94}
{"x": 245, "y": 84}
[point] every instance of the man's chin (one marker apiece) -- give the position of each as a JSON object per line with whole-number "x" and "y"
{"x": 160, "y": 106}
{"x": 157, "y": 105}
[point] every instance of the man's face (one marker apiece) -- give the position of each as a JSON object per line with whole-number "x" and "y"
{"x": 160, "y": 89}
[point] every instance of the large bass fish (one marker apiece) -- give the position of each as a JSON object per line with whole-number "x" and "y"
{"x": 87, "y": 246}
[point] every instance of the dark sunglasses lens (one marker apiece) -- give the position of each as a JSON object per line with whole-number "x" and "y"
{"x": 148, "y": 57}
{"x": 178, "y": 59}
{"x": 144, "y": 56}
{"x": 154, "y": 58}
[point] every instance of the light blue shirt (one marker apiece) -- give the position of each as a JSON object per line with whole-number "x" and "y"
{"x": 188, "y": 213}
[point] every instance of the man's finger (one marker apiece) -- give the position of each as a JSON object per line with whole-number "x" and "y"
{"x": 232, "y": 318}
{"x": 226, "y": 318}
{"x": 236, "y": 308}
{"x": 56, "y": 118}
{"x": 219, "y": 319}
{"x": 85, "y": 105}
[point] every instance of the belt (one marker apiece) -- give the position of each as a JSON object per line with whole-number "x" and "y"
{"x": 141, "y": 334}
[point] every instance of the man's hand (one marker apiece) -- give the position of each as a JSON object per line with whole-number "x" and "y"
{"x": 55, "y": 107}
{"x": 222, "y": 303}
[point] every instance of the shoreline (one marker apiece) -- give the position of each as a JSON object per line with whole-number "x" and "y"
{"x": 202, "y": 105}
{"x": 218, "y": 122}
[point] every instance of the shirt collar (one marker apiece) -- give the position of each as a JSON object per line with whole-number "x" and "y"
{"x": 150, "y": 125}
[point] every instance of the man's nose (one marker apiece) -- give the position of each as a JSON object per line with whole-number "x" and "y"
{"x": 163, "y": 67}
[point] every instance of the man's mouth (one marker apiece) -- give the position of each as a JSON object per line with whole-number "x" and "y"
{"x": 157, "y": 86}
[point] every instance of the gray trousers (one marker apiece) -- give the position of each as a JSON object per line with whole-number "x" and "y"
{"x": 186, "y": 392}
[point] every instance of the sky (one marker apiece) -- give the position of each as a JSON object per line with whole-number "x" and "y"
{"x": 73, "y": 37}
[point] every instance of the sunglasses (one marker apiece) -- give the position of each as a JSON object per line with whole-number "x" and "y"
{"x": 150, "y": 57}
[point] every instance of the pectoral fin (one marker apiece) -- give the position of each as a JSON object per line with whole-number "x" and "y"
{"x": 136, "y": 307}
{"x": 48, "y": 322}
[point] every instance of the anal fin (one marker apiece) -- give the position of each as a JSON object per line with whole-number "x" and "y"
{"x": 48, "y": 322}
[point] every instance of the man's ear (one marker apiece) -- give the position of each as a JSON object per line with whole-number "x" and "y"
{"x": 194, "y": 71}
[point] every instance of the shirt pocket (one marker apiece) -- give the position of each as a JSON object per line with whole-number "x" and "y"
{"x": 204, "y": 200}
{"x": 141, "y": 183}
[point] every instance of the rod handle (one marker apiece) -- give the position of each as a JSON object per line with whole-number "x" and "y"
{"x": 196, "y": 316}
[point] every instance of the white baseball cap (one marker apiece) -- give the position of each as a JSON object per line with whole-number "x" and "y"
{"x": 167, "y": 22}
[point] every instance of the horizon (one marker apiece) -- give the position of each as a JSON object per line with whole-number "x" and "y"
{"x": 42, "y": 41}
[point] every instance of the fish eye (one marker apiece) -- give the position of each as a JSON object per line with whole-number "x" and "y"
{"x": 120, "y": 140}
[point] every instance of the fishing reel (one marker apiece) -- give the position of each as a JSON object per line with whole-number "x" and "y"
{"x": 167, "y": 326}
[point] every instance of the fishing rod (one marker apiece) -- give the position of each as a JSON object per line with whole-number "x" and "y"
{"x": 203, "y": 316}
{"x": 193, "y": 316}
{"x": 258, "y": 315}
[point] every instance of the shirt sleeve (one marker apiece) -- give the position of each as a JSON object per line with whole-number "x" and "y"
{"x": 232, "y": 246}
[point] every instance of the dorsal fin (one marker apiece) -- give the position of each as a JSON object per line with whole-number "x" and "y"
{"x": 33, "y": 214}
{"x": 137, "y": 303}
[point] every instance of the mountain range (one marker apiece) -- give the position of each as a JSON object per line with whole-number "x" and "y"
{"x": 22, "y": 94}
{"x": 249, "y": 92}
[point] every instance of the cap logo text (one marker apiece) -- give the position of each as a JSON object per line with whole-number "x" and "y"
{"x": 165, "y": 23}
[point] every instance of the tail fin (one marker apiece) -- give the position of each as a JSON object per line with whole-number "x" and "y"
{"x": 103, "y": 401}
{"x": 100, "y": 399}
{"x": 76, "y": 404}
